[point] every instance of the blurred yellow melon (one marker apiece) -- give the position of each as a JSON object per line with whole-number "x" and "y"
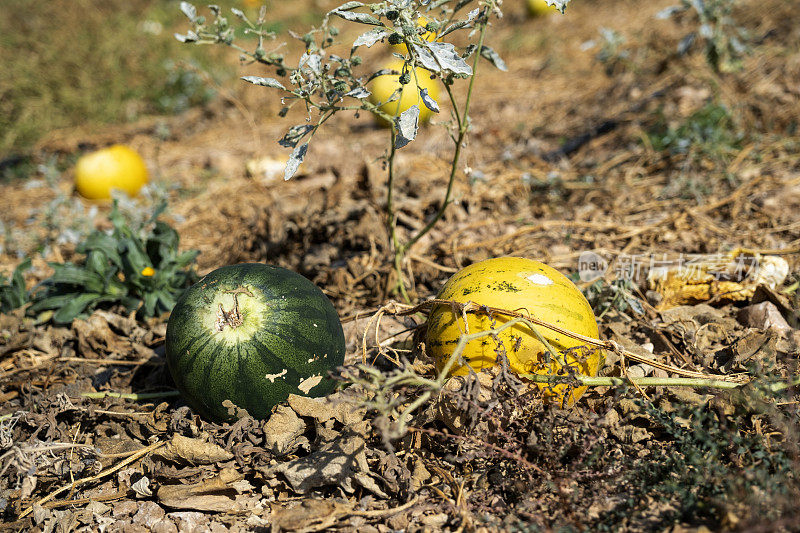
{"x": 429, "y": 36}
{"x": 116, "y": 167}
{"x": 382, "y": 88}
{"x": 538, "y": 8}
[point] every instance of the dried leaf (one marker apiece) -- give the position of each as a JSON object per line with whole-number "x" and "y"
{"x": 437, "y": 57}
{"x": 488, "y": 52}
{"x": 189, "y": 10}
{"x": 357, "y": 16}
{"x": 561, "y": 5}
{"x": 461, "y": 23}
{"x": 283, "y": 430}
{"x": 326, "y": 408}
{"x": 407, "y": 126}
{"x": 294, "y": 135}
{"x": 429, "y": 102}
{"x": 312, "y": 61}
{"x": 193, "y": 451}
{"x": 334, "y": 464}
{"x": 264, "y": 82}
{"x": 142, "y": 487}
{"x": 371, "y": 37}
{"x": 309, "y": 515}
{"x": 215, "y": 494}
{"x": 295, "y": 159}
{"x": 358, "y": 92}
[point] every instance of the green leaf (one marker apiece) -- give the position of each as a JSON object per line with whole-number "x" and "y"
{"x": 166, "y": 301}
{"x": 69, "y": 274}
{"x": 150, "y": 300}
{"x": 162, "y": 244}
{"x": 99, "y": 241}
{"x": 186, "y": 258}
{"x": 51, "y": 302}
{"x": 157, "y": 212}
{"x": 14, "y": 294}
{"x": 134, "y": 258}
{"x": 75, "y": 307}
{"x": 96, "y": 261}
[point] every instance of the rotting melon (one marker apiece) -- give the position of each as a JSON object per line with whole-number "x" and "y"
{"x": 525, "y": 286}
{"x": 252, "y": 334}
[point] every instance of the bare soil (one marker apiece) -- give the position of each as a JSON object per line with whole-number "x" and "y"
{"x": 486, "y": 456}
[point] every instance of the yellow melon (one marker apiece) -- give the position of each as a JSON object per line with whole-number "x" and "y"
{"x": 528, "y": 287}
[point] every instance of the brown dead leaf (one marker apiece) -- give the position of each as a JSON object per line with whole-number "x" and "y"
{"x": 446, "y": 406}
{"x": 309, "y": 515}
{"x": 283, "y": 432}
{"x": 216, "y": 494}
{"x": 419, "y": 476}
{"x": 764, "y": 315}
{"x": 193, "y": 451}
{"x": 339, "y": 463}
{"x": 754, "y": 345}
{"x": 326, "y": 408}
{"x": 15, "y": 331}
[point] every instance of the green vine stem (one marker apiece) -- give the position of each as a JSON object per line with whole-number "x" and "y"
{"x": 136, "y": 396}
{"x": 407, "y": 377}
{"x": 462, "y": 120}
{"x": 463, "y": 126}
{"x": 641, "y": 382}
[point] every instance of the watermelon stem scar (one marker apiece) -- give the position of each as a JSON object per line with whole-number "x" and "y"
{"x": 232, "y": 318}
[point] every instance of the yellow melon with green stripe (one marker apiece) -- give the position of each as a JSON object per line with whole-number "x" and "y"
{"x": 528, "y": 287}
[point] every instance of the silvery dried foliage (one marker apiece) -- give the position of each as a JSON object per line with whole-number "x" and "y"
{"x": 327, "y": 83}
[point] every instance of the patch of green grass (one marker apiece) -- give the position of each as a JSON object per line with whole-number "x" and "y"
{"x": 705, "y": 464}
{"x": 704, "y": 143}
{"x": 708, "y": 131}
{"x": 78, "y": 62}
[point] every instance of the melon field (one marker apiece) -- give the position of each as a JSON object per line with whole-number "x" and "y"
{"x": 643, "y": 157}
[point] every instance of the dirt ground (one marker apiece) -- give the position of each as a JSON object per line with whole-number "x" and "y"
{"x": 661, "y": 175}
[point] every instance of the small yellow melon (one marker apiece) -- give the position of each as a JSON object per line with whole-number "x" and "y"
{"x": 116, "y": 167}
{"x": 382, "y": 88}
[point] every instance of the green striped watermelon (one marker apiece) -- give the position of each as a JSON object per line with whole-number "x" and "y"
{"x": 252, "y": 334}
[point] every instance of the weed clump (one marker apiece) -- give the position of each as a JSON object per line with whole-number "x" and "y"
{"x": 142, "y": 271}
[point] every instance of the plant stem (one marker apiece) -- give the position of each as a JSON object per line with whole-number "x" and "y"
{"x": 642, "y": 382}
{"x": 462, "y": 132}
{"x": 653, "y": 382}
{"x": 133, "y": 395}
{"x": 392, "y": 219}
{"x": 463, "y": 125}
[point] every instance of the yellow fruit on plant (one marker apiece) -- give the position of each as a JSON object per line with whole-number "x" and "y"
{"x": 527, "y": 287}
{"x": 116, "y": 167}
{"x": 382, "y": 88}
{"x": 538, "y": 8}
